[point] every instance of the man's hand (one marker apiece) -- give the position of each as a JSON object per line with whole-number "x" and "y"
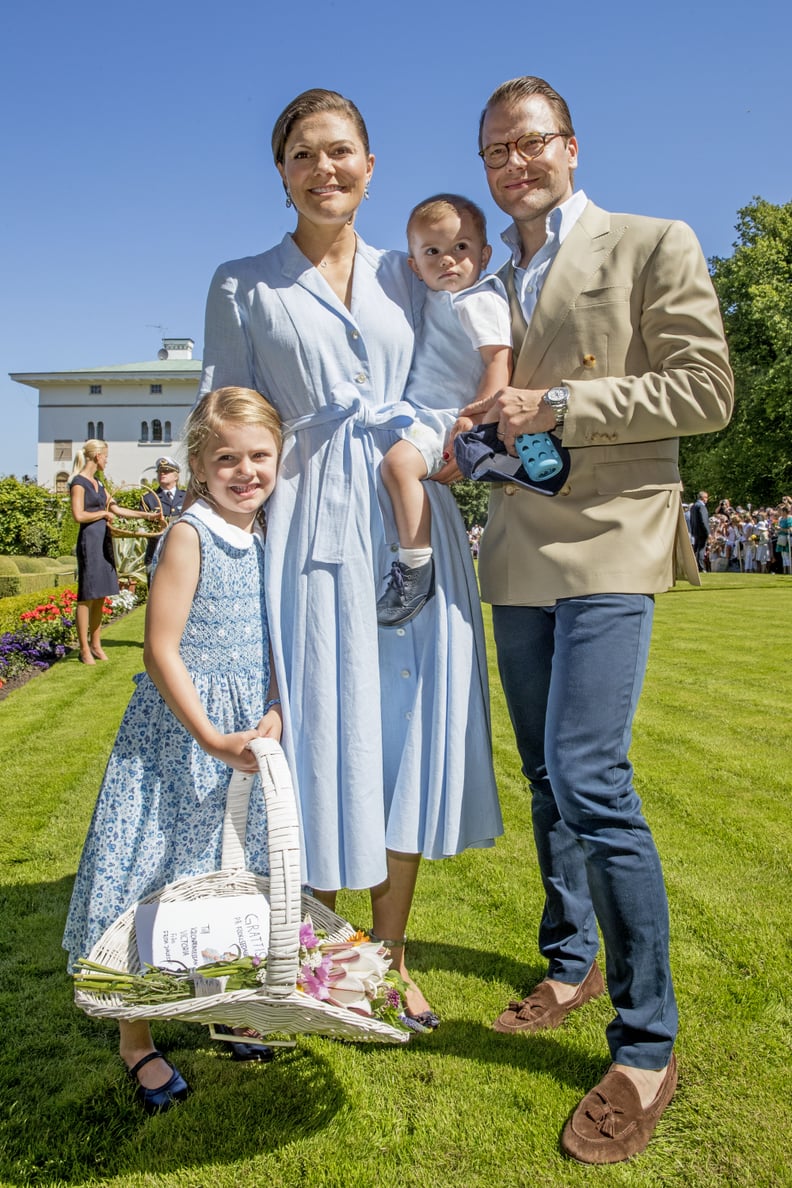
{"x": 522, "y": 411}
{"x": 517, "y": 410}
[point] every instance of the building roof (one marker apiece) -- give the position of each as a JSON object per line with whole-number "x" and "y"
{"x": 156, "y": 369}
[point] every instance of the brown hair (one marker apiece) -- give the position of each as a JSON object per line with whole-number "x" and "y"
{"x": 240, "y": 406}
{"x": 312, "y": 103}
{"x": 522, "y": 88}
{"x": 432, "y": 209}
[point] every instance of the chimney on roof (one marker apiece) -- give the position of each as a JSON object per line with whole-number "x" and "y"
{"x": 176, "y": 348}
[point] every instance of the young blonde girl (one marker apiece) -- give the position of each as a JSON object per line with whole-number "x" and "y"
{"x": 207, "y": 690}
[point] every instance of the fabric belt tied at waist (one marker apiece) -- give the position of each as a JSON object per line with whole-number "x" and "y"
{"x": 347, "y": 412}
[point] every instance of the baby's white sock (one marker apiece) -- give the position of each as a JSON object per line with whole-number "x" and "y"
{"x": 414, "y": 558}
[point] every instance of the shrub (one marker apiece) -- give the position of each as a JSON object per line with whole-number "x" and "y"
{"x": 31, "y": 564}
{"x": 44, "y": 632}
{"x": 9, "y": 578}
{"x": 43, "y": 635}
{"x": 69, "y": 528}
{"x": 29, "y": 519}
{"x": 26, "y": 575}
{"x": 127, "y": 496}
{"x": 12, "y": 608}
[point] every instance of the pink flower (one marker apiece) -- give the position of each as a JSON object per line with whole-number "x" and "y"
{"x": 308, "y": 938}
{"x": 314, "y": 981}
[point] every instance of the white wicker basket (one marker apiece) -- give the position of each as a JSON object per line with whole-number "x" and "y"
{"x": 277, "y": 1007}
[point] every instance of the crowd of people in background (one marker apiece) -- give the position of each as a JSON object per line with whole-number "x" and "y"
{"x": 741, "y": 539}
{"x": 730, "y": 539}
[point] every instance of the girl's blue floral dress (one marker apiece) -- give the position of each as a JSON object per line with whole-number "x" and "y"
{"x": 159, "y": 814}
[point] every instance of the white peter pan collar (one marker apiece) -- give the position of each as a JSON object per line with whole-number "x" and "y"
{"x": 230, "y": 533}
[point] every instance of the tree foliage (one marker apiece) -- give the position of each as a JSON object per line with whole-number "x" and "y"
{"x": 29, "y": 519}
{"x": 472, "y": 500}
{"x": 751, "y": 460}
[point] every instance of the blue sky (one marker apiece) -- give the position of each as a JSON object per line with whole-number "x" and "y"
{"x": 135, "y": 141}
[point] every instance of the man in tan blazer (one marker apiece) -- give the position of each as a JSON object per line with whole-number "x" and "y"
{"x": 619, "y": 349}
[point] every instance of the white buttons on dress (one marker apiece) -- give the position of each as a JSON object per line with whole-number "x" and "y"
{"x": 400, "y": 631}
{"x": 405, "y": 672}
{"x": 354, "y": 334}
{"x": 361, "y": 377}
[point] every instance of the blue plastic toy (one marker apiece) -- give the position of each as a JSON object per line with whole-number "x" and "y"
{"x": 538, "y": 455}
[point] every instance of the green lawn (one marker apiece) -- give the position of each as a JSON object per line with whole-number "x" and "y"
{"x": 464, "y": 1106}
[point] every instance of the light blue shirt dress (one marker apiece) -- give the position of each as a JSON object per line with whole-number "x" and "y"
{"x": 387, "y": 730}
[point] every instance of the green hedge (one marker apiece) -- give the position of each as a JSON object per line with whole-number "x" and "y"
{"x": 26, "y": 575}
{"x": 30, "y": 564}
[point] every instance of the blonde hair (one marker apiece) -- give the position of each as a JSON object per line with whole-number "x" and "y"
{"x": 237, "y": 406}
{"x": 88, "y": 453}
{"x": 432, "y": 209}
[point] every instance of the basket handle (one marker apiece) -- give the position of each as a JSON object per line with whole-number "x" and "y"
{"x": 283, "y": 841}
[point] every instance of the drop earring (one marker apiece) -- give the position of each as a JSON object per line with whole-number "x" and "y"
{"x": 366, "y": 194}
{"x": 289, "y": 199}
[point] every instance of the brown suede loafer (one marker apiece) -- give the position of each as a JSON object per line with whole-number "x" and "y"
{"x": 542, "y": 1010}
{"x": 610, "y": 1124}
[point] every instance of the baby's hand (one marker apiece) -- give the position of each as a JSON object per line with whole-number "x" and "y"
{"x": 461, "y": 425}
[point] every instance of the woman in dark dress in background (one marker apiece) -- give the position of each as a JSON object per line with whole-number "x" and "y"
{"x": 94, "y": 510}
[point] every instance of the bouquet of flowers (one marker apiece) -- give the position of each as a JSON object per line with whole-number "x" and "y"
{"x": 352, "y": 973}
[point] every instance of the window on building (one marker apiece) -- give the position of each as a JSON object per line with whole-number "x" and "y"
{"x": 156, "y": 430}
{"x": 91, "y": 431}
{"x": 100, "y": 430}
{"x": 95, "y": 390}
{"x": 62, "y": 451}
{"x": 144, "y": 430}
{"x": 155, "y": 389}
{"x": 168, "y": 437}
{"x": 61, "y": 482}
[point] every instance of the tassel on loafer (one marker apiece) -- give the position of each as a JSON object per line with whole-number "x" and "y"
{"x": 157, "y": 1101}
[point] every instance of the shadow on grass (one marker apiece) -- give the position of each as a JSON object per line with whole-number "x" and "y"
{"x": 68, "y": 1112}
{"x": 557, "y": 1053}
{"x": 110, "y": 644}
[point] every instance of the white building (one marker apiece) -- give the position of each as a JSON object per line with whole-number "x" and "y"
{"x": 139, "y": 409}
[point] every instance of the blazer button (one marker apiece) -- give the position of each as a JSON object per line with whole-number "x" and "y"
{"x": 509, "y": 489}
{"x": 565, "y": 490}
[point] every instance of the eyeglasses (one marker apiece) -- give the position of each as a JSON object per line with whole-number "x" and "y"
{"x": 529, "y": 146}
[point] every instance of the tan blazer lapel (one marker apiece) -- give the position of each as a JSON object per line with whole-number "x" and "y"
{"x": 574, "y": 269}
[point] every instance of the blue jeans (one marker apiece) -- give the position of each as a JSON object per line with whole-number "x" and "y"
{"x": 572, "y": 675}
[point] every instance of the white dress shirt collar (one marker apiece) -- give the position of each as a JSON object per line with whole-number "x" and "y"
{"x": 559, "y": 223}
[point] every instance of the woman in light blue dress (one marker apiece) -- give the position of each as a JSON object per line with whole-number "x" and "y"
{"x": 387, "y": 731}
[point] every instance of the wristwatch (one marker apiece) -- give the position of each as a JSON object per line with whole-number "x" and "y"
{"x": 558, "y": 400}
